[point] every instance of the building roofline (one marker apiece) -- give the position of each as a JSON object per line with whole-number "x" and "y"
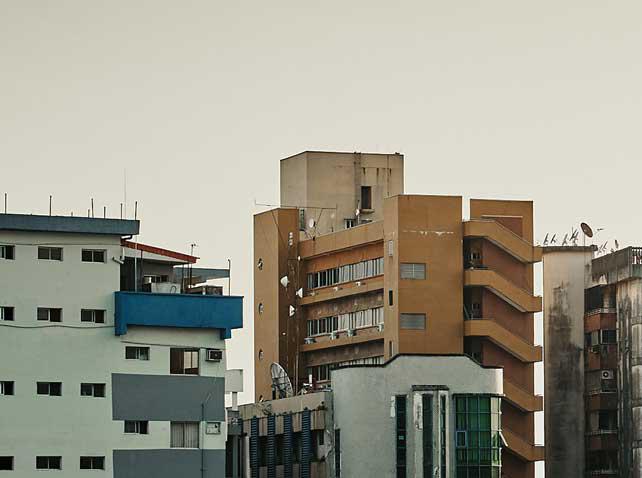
{"x": 549, "y": 249}
{"x": 389, "y": 361}
{"x": 396, "y": 153}
{"x": 159, "y": 250}
{"x": 69, "y": 224}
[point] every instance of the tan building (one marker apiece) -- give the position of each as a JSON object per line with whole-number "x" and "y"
{"x": 417, "y": 279}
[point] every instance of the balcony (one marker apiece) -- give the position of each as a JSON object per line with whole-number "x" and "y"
{"x": 346, "y": 289}
{"x": 521, "y": 448}
{"x": 618, "y": 266}
{"x": 519, "y": 298}
{"x": 503, "y": 338}
{"x": 503, "y": 238}
{"x": 521, "y": 398}
{"x": 362, "y": 335}
{"x": 178, "y": 310}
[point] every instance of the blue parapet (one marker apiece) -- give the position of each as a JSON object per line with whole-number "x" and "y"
{"x": 179, "y": 310}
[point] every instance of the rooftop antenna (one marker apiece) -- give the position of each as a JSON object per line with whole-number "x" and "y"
{"x": 553, "y": 239}
{"x": 588, "y": 232}
{"x": 565, "y": 240}
{"x": 281, "y": 384}
{"x": 50, "y": 204}
{"x": 104, "y": 212}
{"x": 545, "y": 243}
{"x": 92, "y": 207}
{"x": 135, "y": 210}
{"x": 121, "y": 210}
{"x": 5, "y": 203}
{"x": 617, "y": 245}
{"x": 574, "y": 234}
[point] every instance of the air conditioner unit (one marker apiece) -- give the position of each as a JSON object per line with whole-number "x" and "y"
{"x": 608, "y": 374}
{"x": 352, "y": 332}
{"x": 214, "y": 355}
{"x": 595, "y": 349}
{"x": 334, "y": 335}
{"x": 309, "y": 340}
{"x": 380, "y": 327}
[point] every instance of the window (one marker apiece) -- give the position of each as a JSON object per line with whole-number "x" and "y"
{"x": 53, "y": 389}
{"x": 92, "y": 315}
{"x": 345, "y": 273}
{"x": 184, "y": 435}
{"x": 426, "y": 407}
{"x": 91, "y": 255}
{"x": 301, "y": 219}
{"x": 6, "y": 463}
{"x": 413, "y": 271}
{"x": 49, "y": 463}
{"x": 183, "y": 361}
{"x": 92, "y": 462}
{"x": 349, "y": 223}
{"x": 6, "y": 313}
{"x": 609, "y": 336}
{"x": 7, "y": 252}
{"x": 155, "y": 279}
{"x": 478, "y": 440}
{"x": 337, "y": 453}
{"x": 92, "y": 389}
{"x": 412, "y": 321}
{"x": 50, "y": 253}
{"x": 137, "y": 353}
{"x": 51, "y": 315}
{"x": 443, "y": 420}
{"x": 400, "y": 412}
{"x": 390, "y": 298}
{"x": 136, "y": 427}
{"x": 366, "y": 197}
{"x": 6, "y": 388}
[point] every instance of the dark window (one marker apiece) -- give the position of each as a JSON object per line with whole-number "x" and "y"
{"x": 401, "y": 435}
{"x": 137, "y": 427}
{"x": 301, "y": 219}
{"x": 183, "y": 361}
{"x": 7, "y": 252}
{"x": 51, "y": 315}
{"x": 50, "y": 253}
{"x": 609, "y": 336}
{"x": 92, "y": 315}
{"x": 390, "y": 301}
{"x": 137, "y": 353}
{"x": 366, "y": 197}
{"x": 427, "y": 434}
{"x": 6, "y": 313}
{"x": 6, "y": 388}
{"x": 91, "y": 255}
{"x": 6, "y": 463}
{"x": 92, "y": 389}
{"x": 49, "y": 463}
{"x": 53, "y": 389}
{"x": 337, "y": 453}
{"x": 92, "y": 462}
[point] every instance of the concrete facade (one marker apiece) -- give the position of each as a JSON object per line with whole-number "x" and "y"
{"x": 72, "y": 352}
{"x": 565, "y": 275}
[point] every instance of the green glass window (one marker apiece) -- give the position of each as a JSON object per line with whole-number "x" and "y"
{"x": 477, "y": 436}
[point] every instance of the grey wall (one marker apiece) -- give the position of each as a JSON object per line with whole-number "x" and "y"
{"x": 172, "y": 463}
{"x": 564, "y": 281}
{"x": 167, "y": 398}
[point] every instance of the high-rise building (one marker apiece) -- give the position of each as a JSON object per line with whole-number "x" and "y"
{"x": 410, "y": 277}
{"x": 108, "y": 361}
{"x": 594, "y": 340}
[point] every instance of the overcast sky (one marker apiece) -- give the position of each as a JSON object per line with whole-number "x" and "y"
{"x": 198, "y": 101}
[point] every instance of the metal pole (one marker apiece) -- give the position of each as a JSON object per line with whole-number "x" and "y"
{"x": 92, "y": 207}
{"x": 5, "y": 203}
{"x": 50, "y": 204}
{"x": 229, "y": 277}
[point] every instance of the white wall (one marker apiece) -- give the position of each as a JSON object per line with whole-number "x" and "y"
{"x": 73, "y": 352}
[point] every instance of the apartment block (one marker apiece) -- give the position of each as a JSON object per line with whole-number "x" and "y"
{"x": 412, "y": 277}
{"x": 106, "y": 368}
{"x": 601, "y": 332}
{"x": 415, "y": 415}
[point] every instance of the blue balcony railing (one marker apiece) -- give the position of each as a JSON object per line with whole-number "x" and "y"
{"x": 179, "y": 310}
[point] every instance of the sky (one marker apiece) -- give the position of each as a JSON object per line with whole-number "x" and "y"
{"x": 196, "y": 101}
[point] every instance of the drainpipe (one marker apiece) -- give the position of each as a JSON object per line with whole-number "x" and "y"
{"x": 207, "y": 399}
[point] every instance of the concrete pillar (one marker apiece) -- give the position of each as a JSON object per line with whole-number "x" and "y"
{"x": 566, "y": 270}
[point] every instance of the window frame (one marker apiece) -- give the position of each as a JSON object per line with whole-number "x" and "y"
{"x": 56, "y": 386}
{"x": 174, "y": 366}
{"x": 97, "y": 316}
{"x": 413, "y": 315}
{"x": 49, "y": 459}
{"x": 3, "y": 313}
{"x": 48, "y": 311}
{"x": 92, "y": 461}
{"x": 96, "y": 390}
{"x": 141, "y": 427}
{"x": 4, "y": 252}
{"x": 49, "y": 253}
{"x": 183, "y": 425}
{"x": 92, "y": 256}
{"x": 417, "y": 271}
{"x": 7, "y": 386}
{"x": 137, "y": 352}
{"x": 12, "y": 461}
{"x": 365, "y": 202}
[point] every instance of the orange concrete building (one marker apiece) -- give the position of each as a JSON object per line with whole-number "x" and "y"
{"x": 372, "y": 273}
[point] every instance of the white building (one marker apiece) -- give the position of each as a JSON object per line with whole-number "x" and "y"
{"x": 125, "y": 383}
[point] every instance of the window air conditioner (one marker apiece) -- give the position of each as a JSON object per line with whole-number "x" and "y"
{"x": 333, "y": 336}
{"x": 352, "y": 332}
{"x": 380, "y": 327}
{"x": 214, "y": 355}
{"x": 309, "y": 340}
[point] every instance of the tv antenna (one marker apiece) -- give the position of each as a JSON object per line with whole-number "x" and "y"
{"x": 281, "y": 384}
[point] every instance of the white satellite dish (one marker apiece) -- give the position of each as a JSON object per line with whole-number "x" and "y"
{"x": 357, "y": 212}
{"x": 299, "y": 293}
{"x": 311, "y": 223}
{"x": 281, "y": 383}
{"x": 285, "y": 281}
{"x": 292, "y": 310}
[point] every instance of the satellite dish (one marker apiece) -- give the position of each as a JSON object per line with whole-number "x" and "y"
{"x": 299, "y": 293}
{"x": 292, "y": 310}
{"x": 285, "y": 281}
{"x": 357, "y": 212}
{"x": 311, "y": 223}
{"x": 280, "y": 381}
{"x": 586, "y": 229}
